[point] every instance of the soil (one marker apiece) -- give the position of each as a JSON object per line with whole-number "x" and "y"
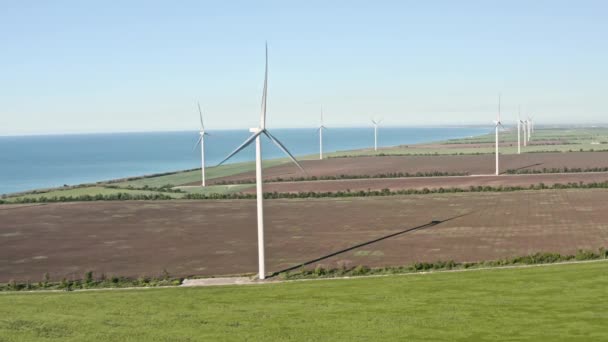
{"x": 451, "y": 164}
{"x": 461, "y": 182}
{"x": 137, "y": 238}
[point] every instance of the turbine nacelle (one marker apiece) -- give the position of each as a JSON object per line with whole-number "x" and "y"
{"x": 376, "y": 123}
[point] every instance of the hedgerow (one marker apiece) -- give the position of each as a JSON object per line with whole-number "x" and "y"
{"x": 121, "y": 196}
{"x": 89, "y": 281}
{"x": 347, "y": 176}
{"x": 164, "y": 188}
{"x": 388, "y": 192}
{"x": 128, "y": 179}
{"x": 309, "y": 194}
{"x": 557, "y": 170}
{"x": 361, "y": 270}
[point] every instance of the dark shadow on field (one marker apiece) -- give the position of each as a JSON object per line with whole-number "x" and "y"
{"x": 523, "y": 167}
{"x": 409, "y": 230}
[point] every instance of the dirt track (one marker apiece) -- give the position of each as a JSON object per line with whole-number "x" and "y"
{"x": 469, "y": 164}
{"x": 461, "y": 182}
{"x": 219, "y": 237}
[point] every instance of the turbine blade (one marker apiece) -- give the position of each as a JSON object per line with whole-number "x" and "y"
{"x": 321, "y": 116}
{"x": 197, "y": 143}
{"x": 243, "y": 145}
{"x": 499, "y": 98}
{"x": 519, "y": 112}
{"x": 200, "y": 115}
{"x": 264, "y": 93}
{"x": 284, "y": 149}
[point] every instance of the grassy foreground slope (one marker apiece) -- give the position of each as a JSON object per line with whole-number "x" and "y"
{"x": 555, "y": 303}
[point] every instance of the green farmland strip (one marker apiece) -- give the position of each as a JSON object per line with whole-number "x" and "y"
{"x": 554, "y": 303}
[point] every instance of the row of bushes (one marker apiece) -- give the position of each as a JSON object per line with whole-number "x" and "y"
{"x": 163, "y": 188}
{"x": 89, "y": 281}
{"x": 579, "y": 150}
{"x": 310, "y": 194}
{"x": 428, "y": 154}
{"x": 458, "y": 153}
{"x": 388, "y": 192}
{"x": 128, "y": 179}
{"x": 362, "y": 270}
{"x": 121, "y": 196}
{"x": 558, "y": 170}
{"x": 346, "y": 176}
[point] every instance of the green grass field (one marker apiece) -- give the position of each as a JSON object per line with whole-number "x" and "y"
{"x": 571, "y": 135}
{"x": 549, "y": 303}
{"x": 566, "y": 140}
{"x": 182, "y": 178}
{"x": 88, "y": 190}
{"x": 217, "y": 189}
{"x": 413, "y": 150}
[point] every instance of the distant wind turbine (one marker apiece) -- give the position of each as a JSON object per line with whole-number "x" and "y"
{"x": 519, "y": 131}
{"x": 376, "y": 123}
{"x": 321, "y": 128}
{"x": 528, "y": 125}
{"x": 525, "y": 130}
{"x": 498, "y": 125}
{"x": 257, "y": 133}
{"x": 201, "y": 141}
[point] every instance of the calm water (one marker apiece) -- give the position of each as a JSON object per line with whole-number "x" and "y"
{"x": 32, "y": 162}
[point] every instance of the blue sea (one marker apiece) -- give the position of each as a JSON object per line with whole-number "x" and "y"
{"x": 43, "y": 161}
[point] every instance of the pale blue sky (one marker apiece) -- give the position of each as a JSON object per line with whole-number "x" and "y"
{"x": 91, "y": 66}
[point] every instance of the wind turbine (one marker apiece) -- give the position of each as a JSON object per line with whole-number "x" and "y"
{"x": 525, "y": 130}
{"x": 519, "y": 131}
{"x": 376, "y": 123}
{"x": 532, "y": 128}
{"x": 201, "y": 141}
{"x": 257, "y": 133}
{"x": 497, "y": 124}
{"x": 529, "y": 125}
{"x": 321, "y": 128}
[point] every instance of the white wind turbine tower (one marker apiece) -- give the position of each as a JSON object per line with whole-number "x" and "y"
{"x": 321, "y": 128}
{"x": 376, "y": 123}
{"x": 201, "y": 141}
{"x": 498, "y": 125}
{"x": 525, "y": 130}
{"x": 257, "y": 133}
{"x": 528, "y": 125}
{"x": 519, "y": 131}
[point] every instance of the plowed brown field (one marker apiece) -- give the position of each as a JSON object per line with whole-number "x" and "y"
{"x": 219, "y": 237}
{"x": 464, "y": 164}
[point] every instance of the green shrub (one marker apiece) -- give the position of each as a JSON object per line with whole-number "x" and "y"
{"x": 319, "y": 271}
{"x": 586, "y": 255}
{"x": 532, "y": 259}
{"x": 88, "y": 278}
{"x": 360, "y": 270}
